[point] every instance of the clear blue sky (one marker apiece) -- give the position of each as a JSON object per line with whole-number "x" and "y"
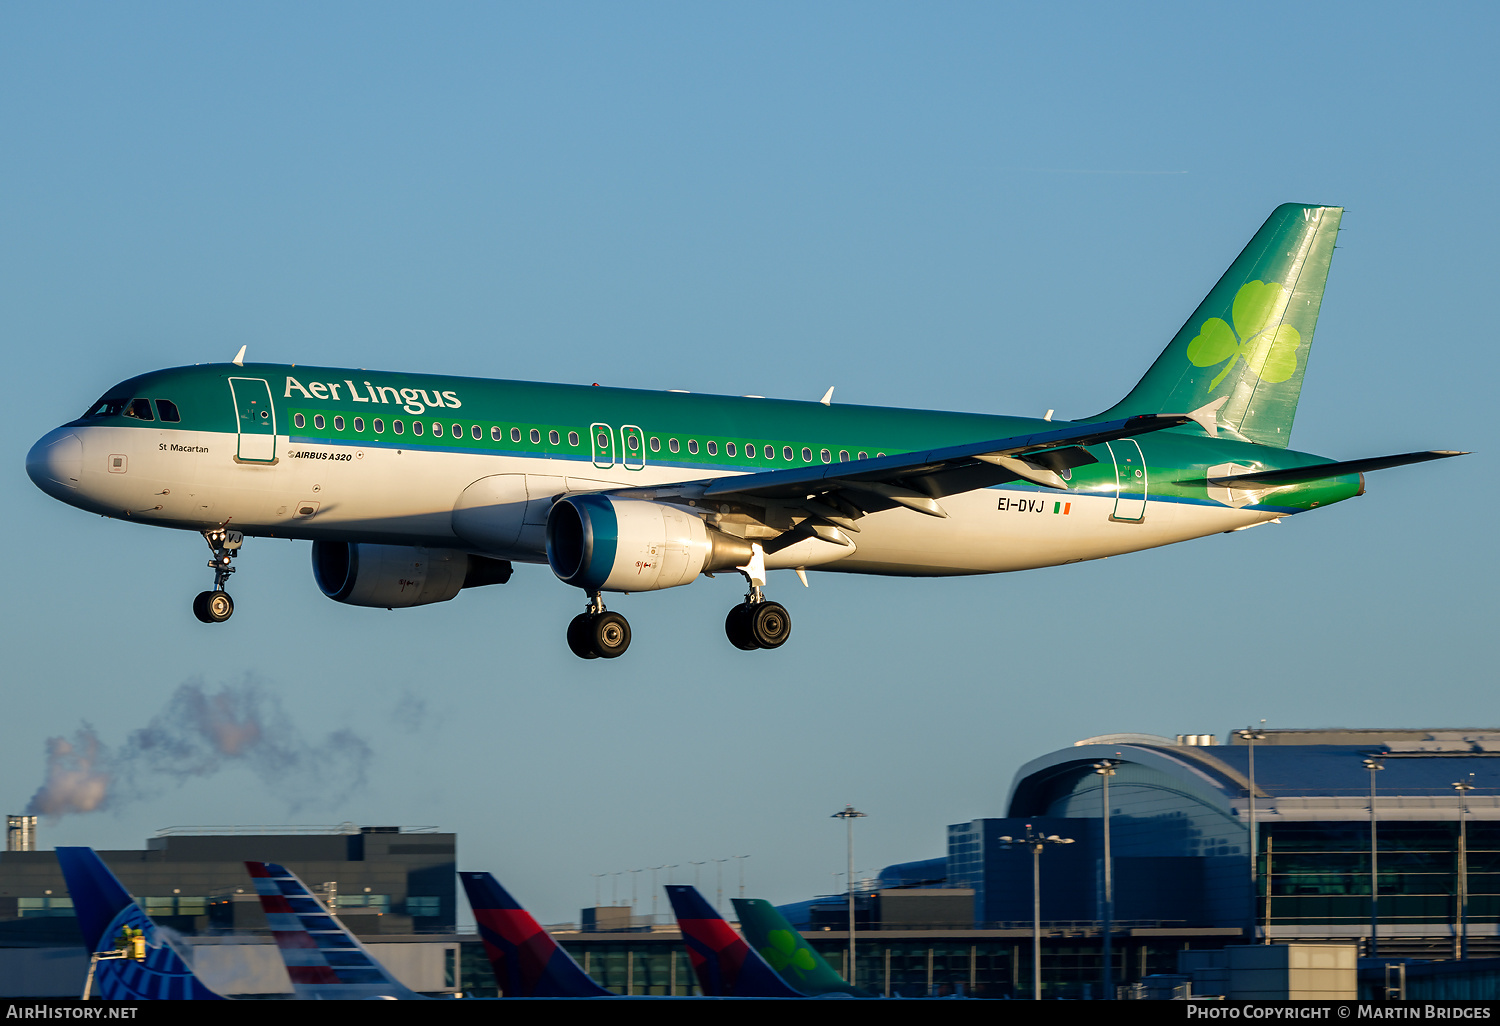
{"x": 962, "y": 206}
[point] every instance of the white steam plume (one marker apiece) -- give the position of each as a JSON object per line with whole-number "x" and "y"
{"x": 196, "y": 735}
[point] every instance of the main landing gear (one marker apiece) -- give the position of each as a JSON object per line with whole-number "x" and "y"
{"x": 216, "y": 606}
{"x": 596, "y": 633}
{"x": 757, "y": 622}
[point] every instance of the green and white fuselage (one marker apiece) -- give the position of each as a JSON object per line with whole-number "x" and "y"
{"x": 357, "y": 483}
{"x": 425, "y": 484}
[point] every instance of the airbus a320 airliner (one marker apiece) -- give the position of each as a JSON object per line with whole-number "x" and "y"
{"x": 413, "y": 487}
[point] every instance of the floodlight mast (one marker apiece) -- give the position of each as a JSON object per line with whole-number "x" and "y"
{"x": 1374, "y": 766}
{"x": 1106, "y": 769}
{"x": 849, "y": 814}
{"x": 1036, "y": 841}
{"x": 1250, "y": 735}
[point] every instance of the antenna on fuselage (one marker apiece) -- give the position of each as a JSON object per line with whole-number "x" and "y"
{"x": 239, "y": 357}
{"x": 827, "y": 399}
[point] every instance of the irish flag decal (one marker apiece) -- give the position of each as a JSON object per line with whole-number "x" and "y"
{"x": 1062, "y": 507}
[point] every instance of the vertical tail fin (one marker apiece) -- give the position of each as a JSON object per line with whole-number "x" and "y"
{"x": 787, "y": 951}
{"x": 105, "y": 911}
{"x": 725, "y": 964}
{"x": 323, "y": 959}
{"x": 1249, "y": 338}
{"x": 526, "y": 960}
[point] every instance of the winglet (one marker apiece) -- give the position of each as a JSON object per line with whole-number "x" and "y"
{"x": 239, "y": 357}
{"x": 1207, "y": 417}
{"x": 827, "y": 399}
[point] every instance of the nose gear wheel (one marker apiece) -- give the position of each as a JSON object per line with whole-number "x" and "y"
{"x": 216, "y": 606}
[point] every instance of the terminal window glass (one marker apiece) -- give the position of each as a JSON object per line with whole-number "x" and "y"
{"x": 424, "y": 905}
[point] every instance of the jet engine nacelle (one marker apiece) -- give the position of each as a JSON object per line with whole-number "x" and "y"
{"x": 397, "y": 576}
{"x": 600, "y": 543}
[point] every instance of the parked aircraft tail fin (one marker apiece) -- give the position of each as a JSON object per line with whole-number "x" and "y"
{"x": 1248, "y": 340}
{"x": 526, "y": 960}
{"x": 147, "y": 967}
{"x": 323, "y": 959}
{"x": 787, "y": 951}
{"x": 725, "y": 964}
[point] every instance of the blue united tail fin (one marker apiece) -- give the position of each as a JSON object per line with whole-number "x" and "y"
{"x": 323, "y": 959}
{"x": 526, "y": 960}
{"x": 725, "y": 964}
{"x": 109, "y": 920}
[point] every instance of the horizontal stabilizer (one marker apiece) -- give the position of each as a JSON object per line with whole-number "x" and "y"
{"x": 1321, "y": 471}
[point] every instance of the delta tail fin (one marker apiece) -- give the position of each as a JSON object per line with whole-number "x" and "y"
{"x": 323, "y": 959}
{"x": 110, "y": 920}
{"x": 526, "y": 960}
{"x": 787, "y": 951}
{"x": 725, "y": 964}
{"x": 1247, "y": 343}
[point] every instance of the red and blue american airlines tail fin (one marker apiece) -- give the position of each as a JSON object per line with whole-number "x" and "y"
{"x": 109, "y": 919}
{"x": 323, "y": 959}
{"x": 725, "y": 964}
{"x": 526, "y": 960}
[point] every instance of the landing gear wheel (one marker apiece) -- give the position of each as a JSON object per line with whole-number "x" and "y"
{"x": 737, "y": 627}
{"x": 610, "y": 634}
{"x": 213, "y": 606}
{"x": 580, "y": 639}
{"x": 770, "y": 624}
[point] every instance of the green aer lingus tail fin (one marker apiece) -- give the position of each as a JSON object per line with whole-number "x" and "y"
{"x": 767, "y": 931}
{"x": 1248, "y": 340}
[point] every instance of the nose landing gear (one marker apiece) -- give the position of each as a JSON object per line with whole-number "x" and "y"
{"x": 596, "y": 633}
{"x": 216, "y": 606}
{"x": 757, "y": 622}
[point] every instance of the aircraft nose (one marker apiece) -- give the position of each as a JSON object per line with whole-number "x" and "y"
{"x": 55, "y": 463}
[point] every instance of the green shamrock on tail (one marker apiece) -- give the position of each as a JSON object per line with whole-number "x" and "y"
{"x": 1270, "y": 355}
{"x": 782, "y": 951}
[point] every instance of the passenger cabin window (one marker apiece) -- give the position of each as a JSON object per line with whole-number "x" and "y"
{"x": 693, "y": 446}
{"x": 750, "y": 450}
{"x": 515, "y": 434}
{"x": 416, "y": 427}
{"x": 672, "y": 444}
{"x": 318, "y": 421}
{"x": 379, "y": 425}
{"x": 864, "y": 456}
{"x": 729, "y": 449}
{"x": 397, "y": 426}
{"x": 826, "y": 456}
{"x": 655, "y": 444}
{"x": 553, "y": 437}
{"x": 786, "y": 453}
{"x": 359, "y": 424}
{"x": 299, "y": 420}
{"x": 458, "y": 430}
{"x": 168, "y": 411}
{"x": 437, "y": 429}
{"x": 806, "y": 455}
{"x": 140, "y": 409}
{"x": 536, "y": 437}
{"x": 573, "y": 438}
{"x": 478, "y": 433}
{"x": 713, "y": 448}
{"x": 495, "y": 434}
{"x": 338, "y": 423}
{"x": 843, "y": 455}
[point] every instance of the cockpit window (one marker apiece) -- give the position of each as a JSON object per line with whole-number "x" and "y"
{"x": 107, "y": 407}
{"x": 168, "y": 410}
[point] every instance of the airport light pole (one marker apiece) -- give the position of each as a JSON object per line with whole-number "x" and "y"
{"x": 741, "y": 859}
{"x": 849, "y": 814}
{"x": 1106, "y": 769}
{"x": 1463, "y": 787}
{"x": 1250, "y": 735}
{"x": 697, "y": 885}
{"x": 1374, "y": 766}
{"x": 719, "y": 884}
{"x": 1036, "y": 841}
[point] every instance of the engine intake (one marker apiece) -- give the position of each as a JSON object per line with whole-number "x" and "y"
{"x": 398, "y": 576}
{"x": 600, "y": 543}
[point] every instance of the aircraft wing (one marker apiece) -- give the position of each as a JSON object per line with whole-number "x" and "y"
{"x": 1319, "y": 471}
{"x": 917, "y": 480}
